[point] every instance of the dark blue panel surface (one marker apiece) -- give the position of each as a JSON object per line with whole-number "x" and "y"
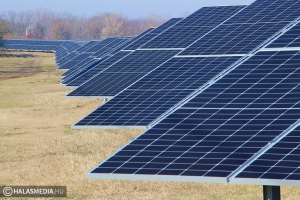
{"x": 289, "y": 39}
{"x": 193, "y": 27}
{"x": 280, "y": 162}
{"x": 249, "y": 28}
{"x": 123, "y": 73}
{"x": 153, "y": 33}
{"x": 219, "y": 130}
{"x": 157, "y": 92}
{"x": 233, "y": 39}
{"x": 93, "y": 70}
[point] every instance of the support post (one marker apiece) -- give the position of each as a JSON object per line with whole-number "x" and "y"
{"x": 105, "y": 100}
{"x": 271, "y": 192}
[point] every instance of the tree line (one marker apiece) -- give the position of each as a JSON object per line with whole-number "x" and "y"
{"x": 46, "y": 24}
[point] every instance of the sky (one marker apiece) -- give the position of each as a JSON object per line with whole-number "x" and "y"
{"x": 130, "y": 8}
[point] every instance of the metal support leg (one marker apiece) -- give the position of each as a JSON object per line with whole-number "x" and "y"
{"x": 271, "y": 192}
{"x": 105, "y": 100}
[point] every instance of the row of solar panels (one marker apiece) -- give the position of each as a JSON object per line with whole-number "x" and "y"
{"x": 217, "y": 91}
{"x": 61, "y": 47}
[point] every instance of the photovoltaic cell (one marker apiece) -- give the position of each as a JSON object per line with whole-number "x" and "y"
{"x": 88, "y": 73}
{"x": 216, "y": 132}
{"x": 157, "y": 92}
{"x": 73, "y": 62}
{"x": 134, "y": 44}
{"x": 194, "y": 26}
{"x": 96, "y": 86}
{"x": 108, "y": 49}
{"x": 152, "y": 34}
{"x": 289, "y": 39}
{"x": 233, "y": 39}
{"x": 279, "y": 165}
{"x": 123, "y": 73}
{"x": 64, "y": 60}
{"x": 246, "y": 30}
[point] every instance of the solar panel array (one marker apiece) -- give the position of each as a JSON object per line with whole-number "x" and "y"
{"x": 217, "y": 91}
{"x": 87, "y": 73}
{"x": 115, "y": 68}
{"x": 226, "y": 108}
{"x": 62, "y": 48}
{"x": 98, "y": 85}
{"x": 192, "y": 27}
{"x": 222, "y": 127}
{"x": 153, "y": 95}
{"x": 97, "y": 52}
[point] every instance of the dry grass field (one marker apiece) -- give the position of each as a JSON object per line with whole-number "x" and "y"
{"x": 38, "y": 146}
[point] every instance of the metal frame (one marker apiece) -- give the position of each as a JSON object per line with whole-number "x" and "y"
{"x": 89, "y": 97}
{"x": 109, "y": 127}
{"x": 156, "y": 178}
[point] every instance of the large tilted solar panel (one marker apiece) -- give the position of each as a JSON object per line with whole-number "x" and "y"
{"x": 197, "y": 24}
{"x": 150, "y": 97}
{"x": 126, "y": 71}
{"x": 134, "y": 44}
{"x": 213, "y": 134}
{"x": 289, "y": 39}
{"x": 279, "y": 165}
{"x": 152, "y": 34}
{"x": 147, "y": 99}
{"x": 246, "y": 30}
{"x": 93, "y": 70}
{"x": 94, "y": 58}
{"x": 96, "y": 86}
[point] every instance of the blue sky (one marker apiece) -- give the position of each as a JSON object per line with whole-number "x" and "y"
{"x": 130, "y": 8}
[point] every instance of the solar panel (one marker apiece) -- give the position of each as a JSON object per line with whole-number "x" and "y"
{"x": 194, "y": 26}
{"x": 246, "y": 30}
{"x": 101, "y": 53}
{"x": 99, "y": 47}
{"x": 71, "y": 63}
{"x": 70, "y": 56}
{"x": 289, "y": 39}
{"x": 279, "y": 165}
{"x": 152, "y": 34}
{"x": 157, "y": 92}
{"x": 213, "y": 134}
{"x": 88, "y": 73}
{"x": 123, "y": 73}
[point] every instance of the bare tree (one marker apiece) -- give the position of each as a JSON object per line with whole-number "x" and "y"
{"x": 80, "y": 28}
{"x": 95, "y": 26}
{"x": 42, "y": 21}
{"x": 113, "y": 25}
{"x": 61, "y": 30}
{"x": 46, "y": 24}
{"x": 3, "y": 31}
